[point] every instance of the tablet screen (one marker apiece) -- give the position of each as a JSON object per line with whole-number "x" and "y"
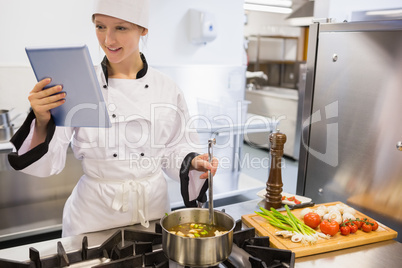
{"x": 72, "y": 68}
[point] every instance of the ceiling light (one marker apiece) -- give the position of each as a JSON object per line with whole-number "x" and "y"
{"x": 264, "y": 8}
{"x": 277, "y": 3}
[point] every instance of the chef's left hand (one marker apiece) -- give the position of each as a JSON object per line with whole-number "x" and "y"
{"x": 202, "y": 164}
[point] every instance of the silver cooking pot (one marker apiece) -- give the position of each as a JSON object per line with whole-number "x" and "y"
{"x": 6, "y": 128}
{"x": 197, "y": 252}
{"x": 4, "y": 117}
{"x": 6, "y": 132}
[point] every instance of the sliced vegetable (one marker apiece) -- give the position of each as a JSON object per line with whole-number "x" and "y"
{"x": 285, "y": 233}
{"x": 297, "y": 238}
{"x": 291, "y": 199}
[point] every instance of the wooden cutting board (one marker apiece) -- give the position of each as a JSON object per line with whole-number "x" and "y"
{"x": 338, "y": 241}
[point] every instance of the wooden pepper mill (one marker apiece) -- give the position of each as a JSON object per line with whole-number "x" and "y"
{"x": 273, "y": 197}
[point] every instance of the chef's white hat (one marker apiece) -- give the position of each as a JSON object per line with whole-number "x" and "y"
{"x": 134, "y": 11}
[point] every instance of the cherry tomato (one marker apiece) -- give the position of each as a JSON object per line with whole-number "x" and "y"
{"x": 353, "y": 228}
{"x": 312, "y": 219}
{"x": 292, "y": 198}
{"x": 358, "y": 223}
{"x": 345, "y": 230}
{"x": 374, "y": 226}
{"x": 283, "y": 197}
{"x": 367, "y": 227}
{"x": 329, "y": 227}
{"x": 297, "y": 201}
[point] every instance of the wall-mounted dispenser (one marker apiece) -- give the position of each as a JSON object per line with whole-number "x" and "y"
{"x": 202, "y": 27}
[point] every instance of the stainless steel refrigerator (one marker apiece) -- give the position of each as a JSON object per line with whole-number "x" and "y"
{"x": 351, "y": 144}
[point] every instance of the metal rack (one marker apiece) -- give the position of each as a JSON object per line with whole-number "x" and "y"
{"x": 276, "y": 56}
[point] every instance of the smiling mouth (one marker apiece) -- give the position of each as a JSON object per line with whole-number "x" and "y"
{"x": 113, "y": 49}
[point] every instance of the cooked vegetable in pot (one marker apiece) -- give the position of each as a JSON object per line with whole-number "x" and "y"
{"x": 197, "y": 230}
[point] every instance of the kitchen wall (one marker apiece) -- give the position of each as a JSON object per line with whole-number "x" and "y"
{"x": 57, "y": 22}
{"x": 168, "y": 42}
{"x": 169, "y": 49}
{"x": 48, "y": 22}
{"x": 29, "y": 23}
{"x": 42, "y": 22}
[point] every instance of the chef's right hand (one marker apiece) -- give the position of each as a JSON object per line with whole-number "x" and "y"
{"x": 42, "y": 100}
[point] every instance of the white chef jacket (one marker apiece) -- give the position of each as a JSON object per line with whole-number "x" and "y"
{"x": 123, "y": 181}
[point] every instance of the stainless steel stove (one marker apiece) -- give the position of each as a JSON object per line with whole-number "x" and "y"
{"x": 137, "y": 248}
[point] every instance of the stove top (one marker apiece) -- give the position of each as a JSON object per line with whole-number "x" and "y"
{"x": 134, "y": 248}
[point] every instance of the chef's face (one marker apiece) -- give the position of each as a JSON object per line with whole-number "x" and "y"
{"x": 118, "y": 38}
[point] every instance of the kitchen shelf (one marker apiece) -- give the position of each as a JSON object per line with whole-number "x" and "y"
{"x": 276, "y": 56}
{"x": 272, "y": 49}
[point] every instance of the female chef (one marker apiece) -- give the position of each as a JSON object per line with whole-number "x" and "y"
{"x": 123, "y": 181}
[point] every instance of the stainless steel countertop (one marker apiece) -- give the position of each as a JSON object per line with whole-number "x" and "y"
{"x": 380, "y": 254}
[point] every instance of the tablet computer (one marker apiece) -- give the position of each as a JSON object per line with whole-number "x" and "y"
{"x": 71, "y": 67}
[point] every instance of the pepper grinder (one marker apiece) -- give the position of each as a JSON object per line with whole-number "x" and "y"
{"x": 273, "y": 197}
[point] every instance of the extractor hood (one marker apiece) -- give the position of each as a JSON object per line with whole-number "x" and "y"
{"x": 303, "y": 15}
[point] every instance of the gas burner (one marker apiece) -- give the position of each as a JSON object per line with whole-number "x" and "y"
{"x": 133, "y": 248}
{"x": 124, "y": 246}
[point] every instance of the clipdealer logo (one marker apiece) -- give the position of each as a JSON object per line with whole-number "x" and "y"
{"x": 331, "y": 154}
{"x": 129, "y": 143}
